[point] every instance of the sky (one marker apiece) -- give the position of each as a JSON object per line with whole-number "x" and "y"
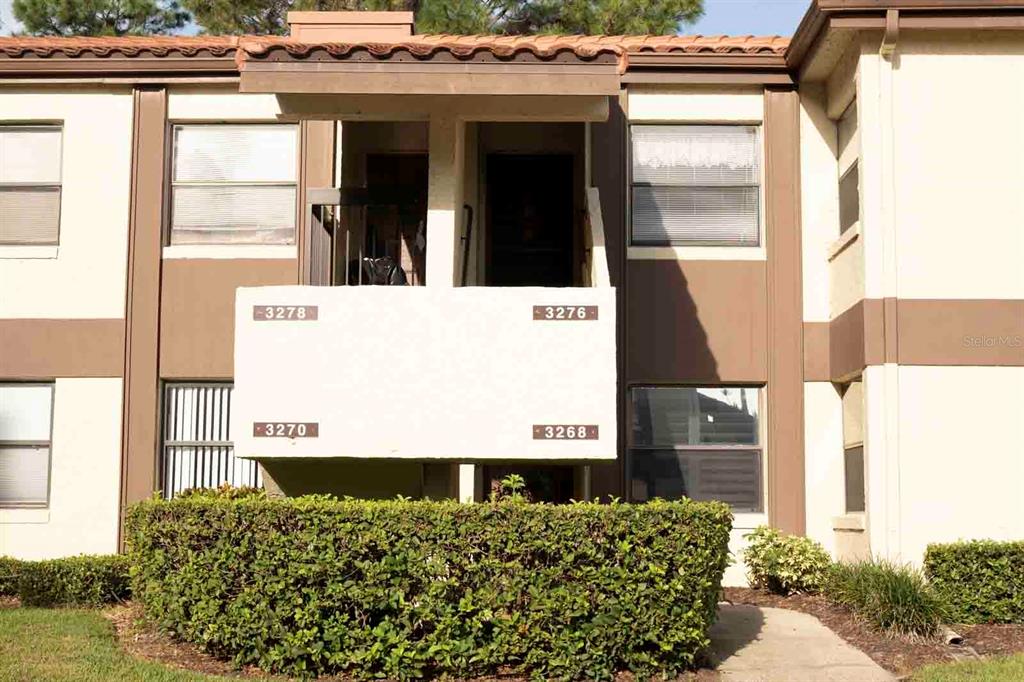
{"x": 735, "y": 17}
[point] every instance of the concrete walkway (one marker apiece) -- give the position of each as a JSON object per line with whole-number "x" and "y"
{"x": 753, "y": 644}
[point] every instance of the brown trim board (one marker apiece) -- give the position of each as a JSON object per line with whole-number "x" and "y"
{"x": 316, "y": 169}
{"x": 197, "y": 311}
{"x": 696, "y": 321}
{"x": 140, "y": 421}
{"x": 786, "y": 496}
{"x": 50, "y": 348}
{"x": 925, "y": 332}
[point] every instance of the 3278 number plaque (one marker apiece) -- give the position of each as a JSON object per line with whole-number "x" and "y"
{"x": 565, "y": 431}
{"x": 284, "y": 312}
{"x": 286, "y": 429}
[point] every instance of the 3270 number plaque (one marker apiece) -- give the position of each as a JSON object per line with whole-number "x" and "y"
{"x": 286, "y": 429}
{"x": 565, "y": 431}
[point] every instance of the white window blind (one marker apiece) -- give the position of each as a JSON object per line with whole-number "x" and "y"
{"x": 25, "y": 420}
{"x": 197, "y": 450}
{"x": 696, "y": 185}
{"x": 30, "y": 181}
{"x": 234, "y": 184}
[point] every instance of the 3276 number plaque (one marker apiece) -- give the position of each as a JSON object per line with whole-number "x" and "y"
{"x": 565, "y": 312}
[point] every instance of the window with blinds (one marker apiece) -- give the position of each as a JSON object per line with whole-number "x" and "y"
{"x": 696, "y": 185}
{"x": 234, "y": 184}
{"x": 700, "y": 443}
{"x": 197, "y": 447}
{"x": 30, "y": 177}
{"x": 25, "y": 425}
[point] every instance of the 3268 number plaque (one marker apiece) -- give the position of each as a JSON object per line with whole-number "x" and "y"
{"x": 565, "y": 431}
{"x": 286, "y": 429}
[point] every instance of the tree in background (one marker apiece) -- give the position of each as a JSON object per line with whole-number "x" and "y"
{"x": 463, "y": 16}
{"x": 99, "y": 17}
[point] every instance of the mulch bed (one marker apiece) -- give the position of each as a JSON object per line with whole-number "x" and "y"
{"x": 141, "y": 641}
{"x": 896, "y": 654}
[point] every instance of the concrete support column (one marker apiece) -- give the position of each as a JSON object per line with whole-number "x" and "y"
{"x": 444, "y": 224}
{"x": 444, "y": 198}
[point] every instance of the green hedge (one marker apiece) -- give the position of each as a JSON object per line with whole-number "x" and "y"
{"x": 74, "y": 581}
{"x": 9, "y": 576}
{"x": 981, "y": 581}
{"x": 405, "y": 589}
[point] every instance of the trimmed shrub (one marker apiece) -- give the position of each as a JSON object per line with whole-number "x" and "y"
{"x": 404, "y": 589}
{"x": 225, "y": 491}
{"x": 981, "y": 581}
{"x": 892, "y": 597}
{"x": 783, "y": 563}
{"x": 74, "y": 581}
{"x": 9, "y": 567}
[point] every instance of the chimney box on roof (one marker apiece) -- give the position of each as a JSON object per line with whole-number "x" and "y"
{"x": 350, "y": 27}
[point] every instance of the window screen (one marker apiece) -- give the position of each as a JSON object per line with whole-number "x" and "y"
{"x": 234, "y": 184}
{"x": 701, "y": 443}
{"x": 25, "y": 419}
{"x": 197, "y": 447}
{"x": 30, "y": 177}
{"x": 696, "y": 184}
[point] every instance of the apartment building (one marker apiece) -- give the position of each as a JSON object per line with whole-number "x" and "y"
{"x": 780, "y": 273}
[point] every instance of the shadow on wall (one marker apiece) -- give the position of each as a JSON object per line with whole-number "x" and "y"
{"x": 362, "y": 478}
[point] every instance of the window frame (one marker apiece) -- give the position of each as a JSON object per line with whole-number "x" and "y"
{"x": 59, "y": 185}
{"x": 760, "y": 448}
{"x": 171, "y": 183}
{"x": 632, "y": 244}
{"x": 167, "y": 387}
{"x": 48, "y": 444}
{"x": 853, "y": 444}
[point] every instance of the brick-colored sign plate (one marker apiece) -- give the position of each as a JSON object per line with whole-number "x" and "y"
{"x": 567, "y": 313}
{"x": 287, "y": 313}
{"x": 286, "y": 429}
{"x": 565, "y": 432}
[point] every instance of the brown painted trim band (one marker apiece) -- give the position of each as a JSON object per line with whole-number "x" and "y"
{"x": 712, "y": 77}
{"x": 786, "y": 496}
{"x": 140, "y": 419}
{"x": 50, "y": 348}
{"x": 923, "y": 332}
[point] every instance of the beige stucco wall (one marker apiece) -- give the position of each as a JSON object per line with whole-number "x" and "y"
{"x": 85, "y": 482}
{"x": 823, "y": 470}
{"x": 219, "y": 103}
{"x": 958, "y": 103}
{"x": 819, "y": 192}
{"x": 696, "y": 103}
{"x": 84, "y": 276}
{"x": 460, "y": 373}
{"x": 961, "y": 462}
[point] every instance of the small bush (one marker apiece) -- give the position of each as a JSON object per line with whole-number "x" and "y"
{"x": 225, "y": 491}
{"x": 74, "y": 581}
{"x": 980, "y": 581}
{"x": 892, "y": 597}
{"x": 9, "y": 567}
{"x": 403, "y": 589}
{"x": 785, "y": 563}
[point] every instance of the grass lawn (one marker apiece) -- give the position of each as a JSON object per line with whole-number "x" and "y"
{"x": 65, "y": 644}
{"x": 1008, "y": 669}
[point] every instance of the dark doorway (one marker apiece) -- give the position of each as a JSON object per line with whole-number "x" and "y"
{"x": 552, "y": 483}
{"x": 396, "y": 226}
{"x": 530, "y": 220}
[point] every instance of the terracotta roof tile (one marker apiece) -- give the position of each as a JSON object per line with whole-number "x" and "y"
{"x": 127, "y": 46}
{"x": 423, "y": 46}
